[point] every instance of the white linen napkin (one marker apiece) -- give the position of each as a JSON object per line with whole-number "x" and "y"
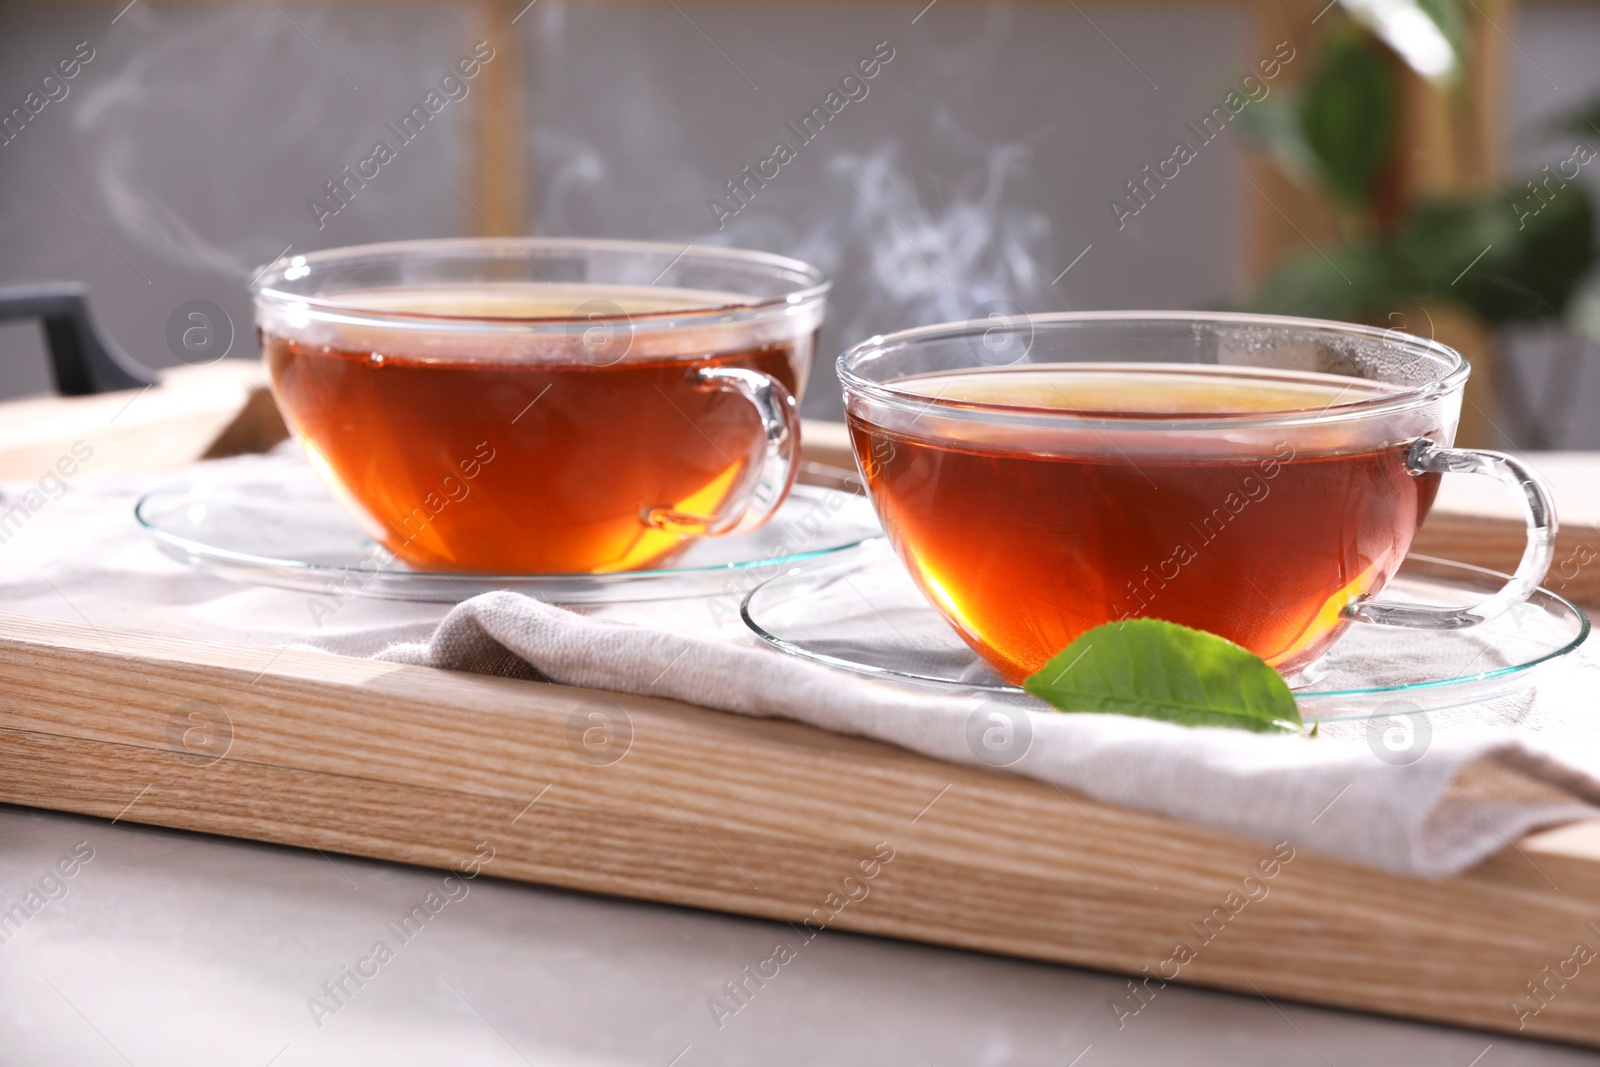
{"x": 1470, "y": 793}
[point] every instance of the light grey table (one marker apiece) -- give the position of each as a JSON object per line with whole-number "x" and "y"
{"x": 170, "y": 948}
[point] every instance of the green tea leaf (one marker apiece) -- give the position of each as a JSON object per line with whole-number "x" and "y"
{"x": 1160, "y": 670}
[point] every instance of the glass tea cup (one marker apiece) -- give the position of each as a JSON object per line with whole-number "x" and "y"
{"x": 543, "y": 406}
{"x": 1257, "y": 477}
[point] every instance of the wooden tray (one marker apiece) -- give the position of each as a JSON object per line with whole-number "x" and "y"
{"x": 764, "y": 818}
{"x": 770, "y": 819}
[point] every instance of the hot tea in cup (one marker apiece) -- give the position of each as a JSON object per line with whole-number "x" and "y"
{"x": 1260, "y": 479}
{"x": 543, "y": 407}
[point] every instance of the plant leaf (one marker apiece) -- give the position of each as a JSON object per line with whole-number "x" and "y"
{"x": 1537, "y": 274}
{"x": 1161, "y": 670}
{"x": 1275, "y": 123}
{"x": 1444, "y": 235}
{"x": 1357, "y": 283}
{"x": 1582, "y": 120}
{"x": 1504, "y": 256}
{"x": 1452, "y": 22}
{"x": 1427, "y": 34}
{"x": 1527, "y": 257}
{"x": 1348, "y": 114}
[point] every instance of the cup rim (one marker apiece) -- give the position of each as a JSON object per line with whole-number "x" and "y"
{"x": 1452, "y": 380}
{"x": 263, "y": 284}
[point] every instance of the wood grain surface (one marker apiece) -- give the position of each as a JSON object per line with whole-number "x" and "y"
{"x": 766, "y": 818}
{"x": 221, "y": 409}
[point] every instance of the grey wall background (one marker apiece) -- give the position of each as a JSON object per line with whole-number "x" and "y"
{"x": 978, "y": 167}
{"x": 1554, "y": 68}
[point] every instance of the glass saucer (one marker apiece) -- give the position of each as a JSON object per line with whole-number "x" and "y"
{"x": 272, "y": 522}
{"x": 863, "y": 614}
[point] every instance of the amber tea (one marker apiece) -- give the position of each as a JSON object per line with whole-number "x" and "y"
{"x": 1025, "y": 537}
{"x": 500, "y": 452}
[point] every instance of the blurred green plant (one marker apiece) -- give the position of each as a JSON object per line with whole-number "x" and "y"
{"x": 1515, "y": 254}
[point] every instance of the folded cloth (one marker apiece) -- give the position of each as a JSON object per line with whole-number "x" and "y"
{"x": 1473, "y": 791}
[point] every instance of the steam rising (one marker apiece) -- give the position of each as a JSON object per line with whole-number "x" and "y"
{"x": 937, "y": 264}
{"x": 196, "y": 154}
{"x": 581, "y": 168}
{"x": 160, "y": 78}
{"x": 900, "y": 259}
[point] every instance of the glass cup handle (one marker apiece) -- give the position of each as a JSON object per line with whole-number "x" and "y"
{"x": 770, "y": 482}
{"x": 1426, "y": 457}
